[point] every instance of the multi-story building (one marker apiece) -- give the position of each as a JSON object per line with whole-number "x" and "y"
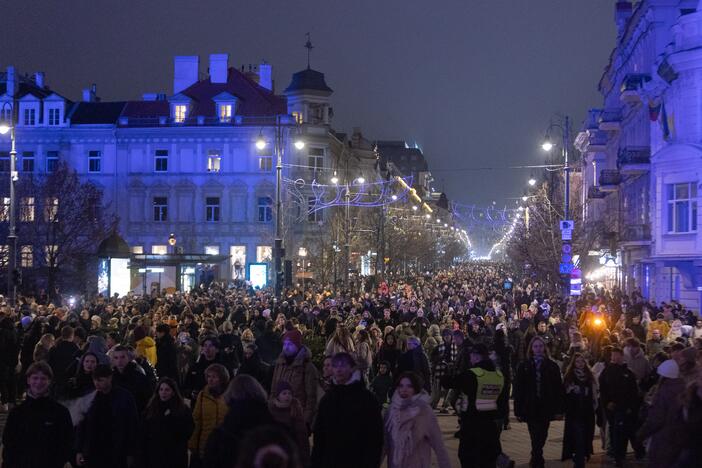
{"x": 642, "y": 152}
{"x": 186, "y": 164}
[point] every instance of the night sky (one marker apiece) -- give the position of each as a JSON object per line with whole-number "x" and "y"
{"x": 473, "y": 82}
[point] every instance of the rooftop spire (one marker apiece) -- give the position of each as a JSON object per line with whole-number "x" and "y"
{"x": 309, "y": 47}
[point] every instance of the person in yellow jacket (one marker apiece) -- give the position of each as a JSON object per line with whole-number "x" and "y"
{"x": 659, "y": 324}
{"x": 145, "y": 345}
{"x": 209, "y": 410}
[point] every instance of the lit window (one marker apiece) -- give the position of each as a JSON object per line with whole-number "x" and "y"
{"x": 28, "y": 161}
{"x": 27, "y": 209}
{"x": 225, "y": 113}
{"x": 52, "y": 158}
{"x": 313, "y": 216}
{"x": 179, "y": 113}
{"x": 159, "y": 249}
{"x": 160, "y": 209}
{"x": 5, "y": 209}
{"x": 212, "y": 209}
{"x": 137, "y": 249}
{"x": 4, "y": 161}
{"x": 265, "y": 209}
{"x": 54, "y": 117}
{"x": 94, "y": 161}
{"x": 214, "y": 161}
{"x": 30, "y": 116}
{"x": 298, "y": 117}
{"x": 161, "y": 161}
{"x": 264, "y": 253}
{"x": 51, "y": 206}
{"x": 237, "y": 255}
{"x": 265, "y": 163}
{"x": 26, "y": 256}
{"x": 682, "y": 207}
{"x": 51, "y": 252}
{"x": 211, "y": 250}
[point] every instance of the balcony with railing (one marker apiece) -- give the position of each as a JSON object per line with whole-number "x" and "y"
{"x": 594, "y": 193}
{"x": 635, "y": 234}
{"x": 631, "y": 87}
{"x": 634, "y": 160}
{"x": 609, "y": 180}
{"x": 610, "y": 120}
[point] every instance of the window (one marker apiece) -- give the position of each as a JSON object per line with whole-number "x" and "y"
{"x": 51, "y": 252}
{"x": 161, "y": 161}
{"x": 5, "y": 113}
{"x": 315, "y": 160}
{"x": 298, "y": 117}
{"x": 52, "y": 158}
{"x": 211, "y": 250}
{"x": 313, "y": 216}
{"x": 94, "y": 161}
{"x": 4, "y": 161}
{"x": 159, "y": 249}
{"x": 54, "y": 117}
{"x": 212, "y": 209}
{"x": 5, "y": 209}
{"x": 265, "y": 163}
{"x": 160, "y": 209}
{"x": 27, "y": 209}
{"x": 51, "y": 206}
{"x": 179, "y": 113}
{"x": 214, "y": 161}
{"x": 28, "y": 161}
{"x": 682, "y": 207}
{"x": 26, "y": 256}
{"x": 237, "y": 255}
{"x": 264, "y": 253}
{"x": 265, "y": 209}
{"x": 30, "y": 116}
{"x": 137, "y": 249}
{"x": 225, "y": 113}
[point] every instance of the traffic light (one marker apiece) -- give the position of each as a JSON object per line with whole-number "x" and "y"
{"x": 16, "y": 277}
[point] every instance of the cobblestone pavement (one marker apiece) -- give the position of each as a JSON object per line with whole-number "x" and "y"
{"x": 515, "y": 443}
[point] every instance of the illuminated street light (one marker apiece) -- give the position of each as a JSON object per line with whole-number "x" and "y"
{"x": 260, "y": 142}
{"x": 299, "y": 144}
{"x": 361, "y": 180}
{"x": 414, "y": 208}
{"x": 334, "y": 179}
{"x": 428, "y": 216}
{"x": 525, "y": 198}
{"x": 394, "y": 197}
{"x": 532, "y": 181}
{"x": 547, "y": 145}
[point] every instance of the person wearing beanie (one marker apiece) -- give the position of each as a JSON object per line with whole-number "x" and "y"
{"x": 145, "y": 345}
{"x": 294, "y": 366}
{"x": 287, "y": 410}
{"x": 662, "y": 425}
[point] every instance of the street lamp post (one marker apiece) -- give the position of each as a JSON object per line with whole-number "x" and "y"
{"x": 5, "y": 126}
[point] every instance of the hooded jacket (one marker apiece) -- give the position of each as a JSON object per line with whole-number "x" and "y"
{"x": 301, "y": 374}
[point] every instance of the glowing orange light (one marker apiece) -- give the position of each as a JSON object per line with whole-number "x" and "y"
{"x": 597, "y": 322}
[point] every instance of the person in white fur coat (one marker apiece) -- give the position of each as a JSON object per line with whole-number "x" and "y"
{"x": 411, "y": 428}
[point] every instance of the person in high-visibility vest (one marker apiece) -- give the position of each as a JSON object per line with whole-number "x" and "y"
{"x": 480, "y": 387}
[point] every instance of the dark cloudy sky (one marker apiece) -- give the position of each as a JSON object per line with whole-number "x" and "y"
{"x": 474, "y": 82}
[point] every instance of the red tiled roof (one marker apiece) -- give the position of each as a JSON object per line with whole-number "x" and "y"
{"x": 255, "y": 100}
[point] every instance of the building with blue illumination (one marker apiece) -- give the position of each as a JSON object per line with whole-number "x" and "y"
{"x": 642, "y": 154}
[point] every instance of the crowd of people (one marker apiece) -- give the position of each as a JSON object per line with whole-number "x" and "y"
{"x": 225, "y": 377}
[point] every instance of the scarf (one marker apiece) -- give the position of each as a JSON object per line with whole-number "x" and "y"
{"x": 400, "y": 422}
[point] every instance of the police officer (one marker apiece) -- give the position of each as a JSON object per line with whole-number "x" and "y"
{"x": 480, "y": 388}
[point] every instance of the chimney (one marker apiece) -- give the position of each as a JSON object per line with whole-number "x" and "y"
{"x": 219, "y": 68}
{"x": 87, "y": 95}
{"x": 185, "y": 71}
{"x": 39, "y": 79}
{"x": 622, "y": 13}
{"x": 11, "y": 81}
{"x": 265, "y": 76}
{"x": 149, "y": 96}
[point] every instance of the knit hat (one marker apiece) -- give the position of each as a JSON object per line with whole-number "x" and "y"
{"x": 669, "y": 369}
{"x": 26, "y": 321}
{"x": 294, "y": 336}
{"x": 139, "y": 333}
{"x": 281, "y": 387}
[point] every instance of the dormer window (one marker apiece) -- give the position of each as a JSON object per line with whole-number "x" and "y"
{"x": 30, "y": 117}
{"x": 226, "y": 106}
{"x": 53, "y": 112}
{"x": 225, "y": 112}
{"x": 54, "y": 117}
{"x": 179, "y": 113}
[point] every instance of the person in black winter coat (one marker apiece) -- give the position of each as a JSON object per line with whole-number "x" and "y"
{"x": 248, "y": 409}
{"x": 131, "y": 377}
{"x": 253, "y": 366}
{"x": 38, "y": 432}
{"x": 415, "y": 360}
{"x": 61, "y": 357}
{"x": 195, "y": 380}
{"x": 108, "y": 437}
{"x": 348, "y": 431}
{"x": 166, "y": 353}
{"x": 166, "y": 427}
{"x": 580, "y": 398}
{"x": 538, "y": 396}
{"x": 9, "y": 354}
{"x": 269, "y": 344}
